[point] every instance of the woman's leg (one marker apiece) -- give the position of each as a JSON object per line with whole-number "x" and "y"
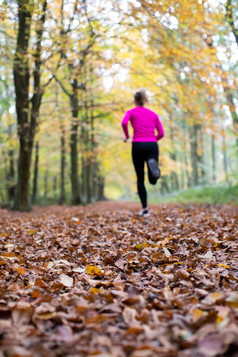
{"x": 139, "y": 161}
{"x": 152, "y": 153}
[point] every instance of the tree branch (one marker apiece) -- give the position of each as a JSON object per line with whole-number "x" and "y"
{"x": 229, "y": 15}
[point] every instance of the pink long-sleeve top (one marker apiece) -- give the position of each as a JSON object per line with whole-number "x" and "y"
{"x": 144, "y": 122}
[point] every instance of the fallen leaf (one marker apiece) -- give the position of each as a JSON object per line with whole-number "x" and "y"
{"x": 93, "y": 270}
{"x": 66, "y": 280}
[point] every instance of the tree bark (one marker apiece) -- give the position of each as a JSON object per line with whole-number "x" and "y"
{"x": 27, "y": 117}
{"x": 46, "y": 190}
{"x": 62, "y": 149}
{"x": 36, "y": 169}
{"x": 213, "y": 159}
{"x": 173, "y": 156}
{"x": 224, "y": 151}
{"x": 76, "y": 199}
{"x": 62, "y": 168}
{"x": 185, "y": 153}
{"x": 194, "y": 156}
{"x": 101, "y": 185}
{"x": 11, "y": 177}
{"x": 21, "y": 81}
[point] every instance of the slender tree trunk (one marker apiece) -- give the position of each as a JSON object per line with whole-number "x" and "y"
{"x": 232, "y": 107}
{"x": 95, "y": 175}
{"x": 173, "y": 156}
{"x": 182, "y": 172}
{"x": 62, "y": 150}
{"x": 11, "y": 177}
{"x": 101, "y": 184}
{"x": 224, "y": 151}
{"x": 88, "y": 188}
{"x": 185, "y": 154}
{"x": 46, "y": 190}
{"x": 230, "y": 17}
{"x": 84, "y": 179}
{"x": 200, "y": 154}
{"x": 36, "y": 170}
{"x": 55, "y": 185}
{"x": 194, "y": 156}
{"x": 213, "y": 159}
{"x": 62, "y": 168}
{"x": 76, "y": 199}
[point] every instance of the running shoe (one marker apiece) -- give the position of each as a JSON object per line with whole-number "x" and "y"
{"x": 153, "y": 166}
{"x": 144, "y": 213}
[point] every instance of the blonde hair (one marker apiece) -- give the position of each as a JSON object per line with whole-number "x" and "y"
{"x": 141, "y": 97}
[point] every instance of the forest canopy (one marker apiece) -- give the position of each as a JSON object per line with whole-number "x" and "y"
{"x": 68, "y": 72}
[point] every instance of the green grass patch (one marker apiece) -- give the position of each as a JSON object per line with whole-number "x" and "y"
{"x": 201, "y": 194}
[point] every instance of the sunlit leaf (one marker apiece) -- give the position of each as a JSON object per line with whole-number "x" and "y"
{"x": 93, "y": 270}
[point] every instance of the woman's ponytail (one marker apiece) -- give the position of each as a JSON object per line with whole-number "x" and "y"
{"x": 141, "y": 97}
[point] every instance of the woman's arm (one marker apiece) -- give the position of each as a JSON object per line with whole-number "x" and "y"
{"x": 159, "y": 128}
{"x": 124, "y": 124}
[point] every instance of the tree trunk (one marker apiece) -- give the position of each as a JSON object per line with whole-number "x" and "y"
{"x": 164, "y": 185}
{"x": 101, "y": 184}
{"x": 200, "y": 155}
{"x": 194, "y": 156}
{"x": 36, "y": 169}
{"x": 182, "y": 172}
{"x": 224, "y": 151}
{"x": 62, "y": 149}
{"x": 76, "y": 199}
{"x": 230, "y": 17}
{"x": 83, "y": 180}
{"x": 231, "y": 105}
{"x": 27, "y": 118}
{"x": 62, "y": 168}
{"x": 173, "y": 156}
{"x": 11, "y": 177}
{"x": 185, "y": 154}
{"x": 46, "y": 184}
{"x": 55, "y": 185}
{"x": 21, "y": 80}
{"x": 213, "y": 159}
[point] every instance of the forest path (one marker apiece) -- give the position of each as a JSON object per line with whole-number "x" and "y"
{"x": 101, "y": 281}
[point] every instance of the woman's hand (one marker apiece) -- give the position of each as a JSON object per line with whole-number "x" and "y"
{"x": 125, "y": 139}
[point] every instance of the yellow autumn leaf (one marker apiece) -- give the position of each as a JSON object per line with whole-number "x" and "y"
{"x": 31, "y": 231}
{"x": 45, "y": 316}
{"x": 197, "y": 314}
{"x": 139, "y": 246}
{"x": 93, "y": 270}
{"x": 178, "y": 263}
{"x": 96, "y": 290}
{"x": 146, "y": 245}
{"x": 224, "y": 266}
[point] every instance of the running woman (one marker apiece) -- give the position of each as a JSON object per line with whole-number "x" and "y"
{"x": 144, "y": 144}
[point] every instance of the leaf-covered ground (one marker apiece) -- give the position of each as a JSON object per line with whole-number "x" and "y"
{"x": 100, "y": 281}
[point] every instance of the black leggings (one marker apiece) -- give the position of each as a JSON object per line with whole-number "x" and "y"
{"x": 141, "y": 153}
